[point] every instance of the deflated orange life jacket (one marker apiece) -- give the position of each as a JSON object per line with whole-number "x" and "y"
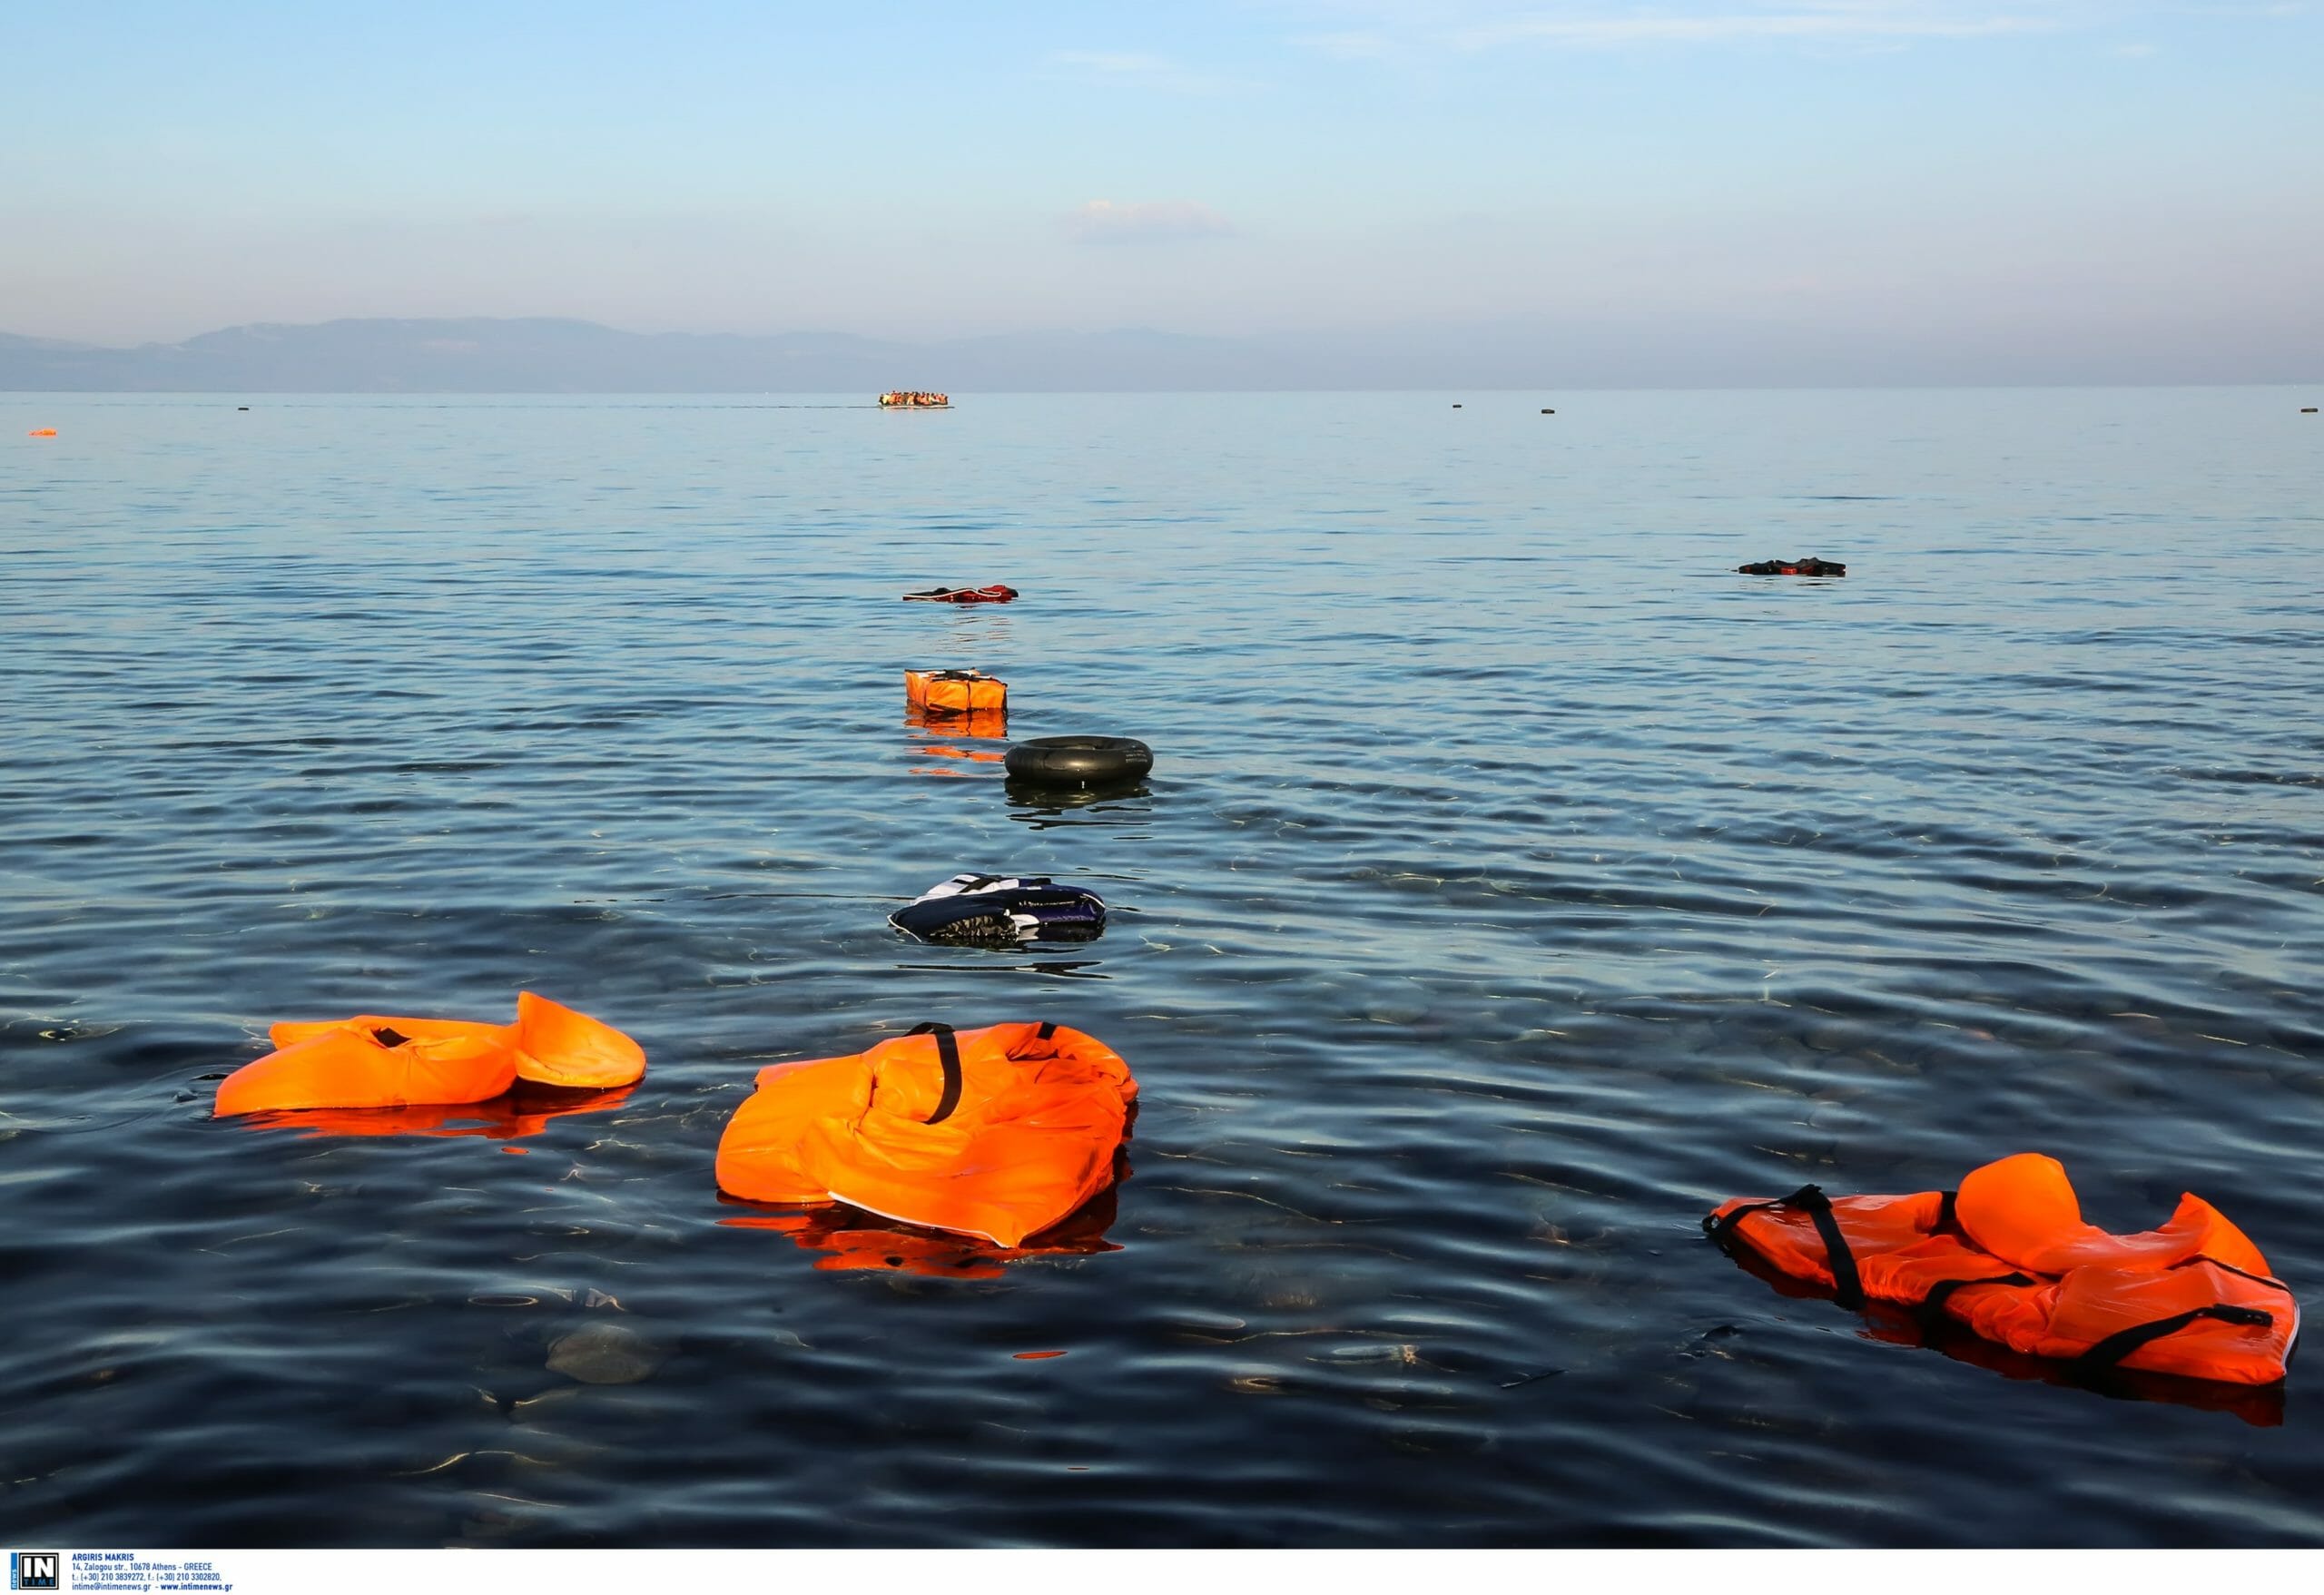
{"x": 954, "y": 692}
{"x": 375, "y": 1062}
{"x": 2009, "y": 1255}
{"x": 999, "y": 1133}
{"x": 995, "y": 593}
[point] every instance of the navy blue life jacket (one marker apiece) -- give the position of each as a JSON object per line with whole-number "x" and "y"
{"x": 1002, "y": 909}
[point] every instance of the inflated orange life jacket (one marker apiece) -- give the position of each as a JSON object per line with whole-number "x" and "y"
{"x": 2009, "y": 1255}
{"x": 999, "y": 1132}
{"x": 376, "y": 1061}
{"x": 954, "y": 692}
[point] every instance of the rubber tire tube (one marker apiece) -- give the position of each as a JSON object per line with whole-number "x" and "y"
{"x": 1079, "y": 761}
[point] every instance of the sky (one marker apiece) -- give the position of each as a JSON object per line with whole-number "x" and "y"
{"x": 1940, "y": 171}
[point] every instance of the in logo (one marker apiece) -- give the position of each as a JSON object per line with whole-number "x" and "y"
{"x": 33, "y": 1569}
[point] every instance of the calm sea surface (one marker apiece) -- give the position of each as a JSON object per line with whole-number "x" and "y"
{"x": 1515, "y": 883}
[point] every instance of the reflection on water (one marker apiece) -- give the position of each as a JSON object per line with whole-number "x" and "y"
{"x": 943, "y": 736}
{"x": 1069, "y": 968}
{"x": 1516, "y": 882}
{"x": 524, "y": 1112}
{"x": 1047, "y": 807}
{"x": 851, "y": 1238}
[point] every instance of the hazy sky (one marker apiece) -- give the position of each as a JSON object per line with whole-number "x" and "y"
{"x": 1971, "y": 168}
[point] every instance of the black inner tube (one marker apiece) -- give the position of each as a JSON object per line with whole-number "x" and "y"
{"x": 1079, "y": 761}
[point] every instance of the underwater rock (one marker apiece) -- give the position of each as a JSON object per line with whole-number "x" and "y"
{"x": 605, "y": 1354}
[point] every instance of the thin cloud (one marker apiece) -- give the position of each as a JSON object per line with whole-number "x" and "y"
{"x": 1874, "y": 20}
{"x": 1401, "y": 29}
{"x": 1146, "y": 222}
{"x": 1349, "y": 46}
{"x": 1134, "y": 69}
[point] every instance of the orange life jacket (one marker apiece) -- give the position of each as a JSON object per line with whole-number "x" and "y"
{"x": 2009, "y": 1255}
{"x": 954, "y": 692}
{"x": 999, "y": 1132}
{"x": 375, "y": 1062}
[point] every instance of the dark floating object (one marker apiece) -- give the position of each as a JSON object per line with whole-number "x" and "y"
{"x": 1001, "y": 910}
{"x": 1524, "y": 1379}
{"x": 1079, "y": 761}
{"x": 242, "y": 406}
{"x": 1456, "y": 407}
{"x": 1811, "y": 566}
{"x": 2308, "y": 409}
{"x": 1549, "y": 412}
{"x": 994, "y": 594}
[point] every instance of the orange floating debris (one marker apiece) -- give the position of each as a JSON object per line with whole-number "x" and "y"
{"x": 998, "y": 1133}
{"x": 376, "y": 1061}
{"x": 42, "y": 432}
{"x": 558, "y": 1046}
{"x": 955, "y": 692}
{"x": 2010, "y": 1256}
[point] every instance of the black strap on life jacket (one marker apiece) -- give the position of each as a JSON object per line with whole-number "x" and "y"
{"x": 1847, "y": 1284}
{"x": 947, "y": 1054}
{"x": 1942, "y": 1291}
{"x": 1047, "y": 1031}
{"x": 389, "y": 1036}
{"x": 2124, "y": 1342}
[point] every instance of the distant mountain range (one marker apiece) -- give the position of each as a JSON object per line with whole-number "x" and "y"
{"x": 484, "y": 355}
{"x": 541, "y": 355}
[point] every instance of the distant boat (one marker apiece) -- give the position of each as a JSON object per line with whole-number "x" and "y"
{"x": 907, "y": 401}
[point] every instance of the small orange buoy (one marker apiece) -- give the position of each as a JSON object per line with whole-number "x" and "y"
{"x": 42, "y": 432}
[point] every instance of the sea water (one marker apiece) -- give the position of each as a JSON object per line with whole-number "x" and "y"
{"x": 1516, "y": 882}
